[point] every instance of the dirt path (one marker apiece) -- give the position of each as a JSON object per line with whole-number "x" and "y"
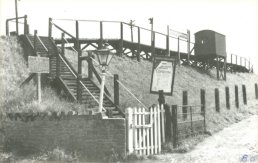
{"x": 237, "y": 143}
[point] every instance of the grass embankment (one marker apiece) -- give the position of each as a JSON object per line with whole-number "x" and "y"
{"x": 134, "y": 75}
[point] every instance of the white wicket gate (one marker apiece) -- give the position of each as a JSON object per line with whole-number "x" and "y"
{"x": 145, "y": 130}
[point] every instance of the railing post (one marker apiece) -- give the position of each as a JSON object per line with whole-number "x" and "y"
{"x": 174, "y": 122}
{"x": 167, "y": 42}
{"x": 185, "y": 105}
{"x": 121, "y": 39}
{"x": 188, "y": 47}
{"x": 50, "y": 27}
{"x": 101, "y": 35}
{"x": 139, "y": 45}
{"x": 116, "y": 90}
{"x": 256, "y": 91}
{"x": 227, "y": 97}
{"x": 231, "y": 61}
{"x": 25, "y": 25}
{"x": 7, "y": 27}
{"x": 79, "y": 77}
{"x": 236, "y": 96}
{"x": 244, "y": 94}
{"x": 90, "y": 65}
{"x": 191, "y": 117}
{"x": 217, "y": 103}
{"x": 203, "y": 103}
{"x": 153, "y": 45}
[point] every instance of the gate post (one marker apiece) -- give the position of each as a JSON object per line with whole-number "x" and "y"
{"x": 202, "y": 101}
{"x": 129, "y": 126}
{"x": 175, "y": 129}
{"x": 256, "y": 91}
{"x": 168, "y": 130}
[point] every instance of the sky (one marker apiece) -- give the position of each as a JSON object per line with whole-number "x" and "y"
{"x": 236, "y": 19}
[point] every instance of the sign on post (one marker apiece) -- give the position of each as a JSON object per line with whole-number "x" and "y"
{"x": 38, "y": 65}
{"x": 163, "y": 74}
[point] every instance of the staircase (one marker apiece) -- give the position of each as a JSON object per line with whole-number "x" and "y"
{"x": 66, "y": 77}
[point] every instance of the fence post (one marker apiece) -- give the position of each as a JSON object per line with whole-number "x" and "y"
{"x": 185, "y": 103}
{"x": 256, "y": 91}
{"x": 191, "y": 117}
{"x": 116, "y": 90}
{"x": 202, "y": 100}
{"x": 50, "y": 27}
{"x": 227, "y": 98}
{"x": 236, "y": 96}
{"x": 244, "y": 94}
{"x": 217, "y": 103}
{"x": 139, "y": 45}
{"x": 174, "y": 122}
{"x": 231, "y": 61}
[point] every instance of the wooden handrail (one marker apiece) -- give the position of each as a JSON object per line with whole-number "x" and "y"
{"x": 63, "y": 31}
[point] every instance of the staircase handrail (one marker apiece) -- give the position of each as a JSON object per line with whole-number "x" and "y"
{"x": 91, "y": 94}
{"x": 64, "y": 31}
{"x": 45, "y": 48}
{"x": 68, "y": 65}
{"x": 127, "y": 89}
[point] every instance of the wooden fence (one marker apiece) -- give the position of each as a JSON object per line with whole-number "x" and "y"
{"x": 145, "y": 130}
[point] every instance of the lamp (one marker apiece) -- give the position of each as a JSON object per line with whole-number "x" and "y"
{"x": 104, "y": 58}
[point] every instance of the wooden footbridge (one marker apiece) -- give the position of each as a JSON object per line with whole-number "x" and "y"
{"x": 86, "y": 90}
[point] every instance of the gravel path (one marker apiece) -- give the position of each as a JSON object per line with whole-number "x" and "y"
{"x": 236, "y": 143}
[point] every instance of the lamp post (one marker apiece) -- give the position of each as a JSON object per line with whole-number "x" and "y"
{"x": 104, "y": 58}
{"x": 151, "y": 23}
{"x": 131, "y": 25}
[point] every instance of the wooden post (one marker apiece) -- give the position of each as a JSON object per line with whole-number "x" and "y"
{"x": 161, "y": 98}
{"x": 121, "y": 39}
{"x": 256, "y": 91}
{"x": 101, "y": 35}
{"x": 129, "y": 126}
{"x": 188, "y": 47}
{"x": 153, "y": 46}
{"x": 178, "y": 50}
{"x": 225, "y": 68}
{"x": 16, "y": 15}
{"x": 116, "y": 90}
{"x": 227, "y": 97}
{"x": 217, "y": 60}
{"x": 236, "y": 96}
{"x": 79, "y": 77}
{"x": 203, "y": 103}
{"x": 217, "y": 103}
{"x": 185, "y": 105}
{"x": 168, "y": 130}
{"x": 244, "y": 94}
{"x": 174, "y": 122}
{"x": 167, "y": 42}
{"x": 50, "y": 27}
{"x": 191, "y": 118}
{"x": 90, "y": 65}
{"x": 139, "y": 45}
{"x": 7, "y": 28}
{"x": 38, "y": 74}
{"x": 25, "y": 25}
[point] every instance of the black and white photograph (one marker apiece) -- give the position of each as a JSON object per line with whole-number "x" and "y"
{"x": 137, "y": 81}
